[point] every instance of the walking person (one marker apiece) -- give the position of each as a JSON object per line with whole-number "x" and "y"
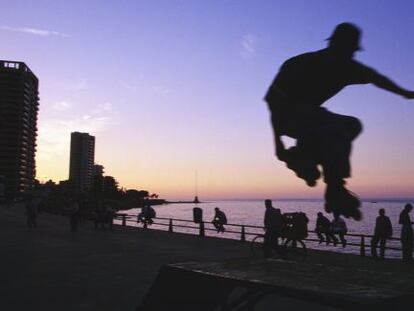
{"x": 304, "y": 83}
{"x": 32, "y": 211}
{"x": 339, "y": 227}
{"x": 219, "y": 220}
{"x": 382, "y": 231}
{"x": 323, "y": 229}
{"x": 273, "y": 225}
{"x": 406, "y": 233}
{"x": 73, "y": 214}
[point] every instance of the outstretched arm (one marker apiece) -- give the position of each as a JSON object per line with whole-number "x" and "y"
{"x": 386, "y": 84}
{"x": 280, "y": 148}
{"x": 275, "y": 95}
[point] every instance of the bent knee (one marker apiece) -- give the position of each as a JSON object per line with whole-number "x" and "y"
{"x": 354, "y": 127}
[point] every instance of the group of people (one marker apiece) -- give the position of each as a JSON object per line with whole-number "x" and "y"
{"x": 76, "y": 208}
{"x": 327, "y": 231}
{"x": 383, "y": 231}
{"x": 104, "y": 215}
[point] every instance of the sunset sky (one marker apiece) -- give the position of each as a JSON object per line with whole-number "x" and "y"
{"x": 170, "y": 88}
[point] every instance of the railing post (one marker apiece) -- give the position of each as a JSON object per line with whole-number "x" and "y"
{"x": 145, "y": 224}
{"x": 123, "y": 220}
{"x": 170, "y": 226}
{"x": 243, "y": 235}
{"x": 362, "y": 250}
{"x": 202, "y": 231}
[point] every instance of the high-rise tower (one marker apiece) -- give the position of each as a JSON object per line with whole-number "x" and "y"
{"x": 82, "y": 156}
{"x": 19, "y": 105}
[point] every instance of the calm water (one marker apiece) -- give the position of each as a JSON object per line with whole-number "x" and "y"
{"x": 252, "y": 212}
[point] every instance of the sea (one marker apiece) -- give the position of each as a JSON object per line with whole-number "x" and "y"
{"x": 251, "y": 212}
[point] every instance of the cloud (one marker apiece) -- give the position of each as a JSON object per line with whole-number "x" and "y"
{"x": 248, "y": 44}
{"x": 104, "y": 108}
{"x": 34, "y": 31}
{"x": 54, "y": 133}
{"x": 61, "y": 106}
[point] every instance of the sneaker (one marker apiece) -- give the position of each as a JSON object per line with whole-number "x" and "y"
{"x": 341, "y": 201}
{"x": 298, "y": 161}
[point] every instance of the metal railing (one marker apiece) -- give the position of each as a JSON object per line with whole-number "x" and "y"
{"x": 244, "y": 231}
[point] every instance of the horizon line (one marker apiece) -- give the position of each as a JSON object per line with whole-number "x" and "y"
{"x": 364, "y": 199}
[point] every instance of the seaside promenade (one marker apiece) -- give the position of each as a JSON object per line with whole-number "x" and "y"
{"x": 51, "y": 268}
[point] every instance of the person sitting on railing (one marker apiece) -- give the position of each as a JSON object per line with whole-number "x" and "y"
{"x": 219, "y": 220}
{"x": 146, "y": 215}
{"x": 382, "y": 231}
{"x": 323, "y": 229}
{"x": 339, "y": 227}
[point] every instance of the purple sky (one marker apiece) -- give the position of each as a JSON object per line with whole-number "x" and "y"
{"x": 173, "y": 87}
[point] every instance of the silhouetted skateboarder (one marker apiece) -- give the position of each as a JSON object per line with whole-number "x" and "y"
{"x": 302, "y": 85}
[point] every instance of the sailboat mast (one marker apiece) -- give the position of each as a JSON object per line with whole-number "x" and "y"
{"x": 196, "y": 183}
{"x": 196, "y": 188}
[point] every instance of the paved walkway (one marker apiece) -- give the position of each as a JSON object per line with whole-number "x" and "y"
{"x": 51, "y": 268}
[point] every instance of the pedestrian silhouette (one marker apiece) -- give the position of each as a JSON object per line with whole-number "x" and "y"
{"x": 339, "y": 227}
{"x": 73, "y": 211}
{"x": 219, "y": 220}
{"x": 273, "y": 226}
{"x": 32, "y": 203}
{"x": 382, "y": 231}
{"x": 323, "y": 230}
{"x": 406, "y": 233}
{"x": 323, "y": 138}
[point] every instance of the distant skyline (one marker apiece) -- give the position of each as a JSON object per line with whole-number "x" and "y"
{"x": 172, "y": 87}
